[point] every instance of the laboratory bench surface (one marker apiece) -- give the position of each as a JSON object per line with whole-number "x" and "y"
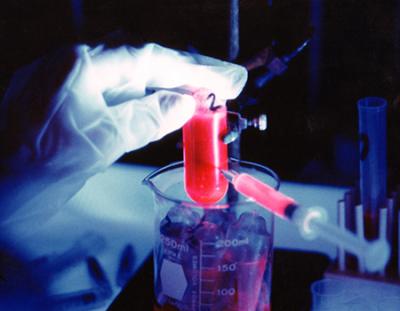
{"x": 115, "y": 206}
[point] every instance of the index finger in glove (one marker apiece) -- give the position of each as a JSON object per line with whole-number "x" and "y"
{"x": 144, "y": 120}
{"x": 154, "y": 66}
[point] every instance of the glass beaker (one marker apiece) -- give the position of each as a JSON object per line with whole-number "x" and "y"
{"x": 211, "y": 256}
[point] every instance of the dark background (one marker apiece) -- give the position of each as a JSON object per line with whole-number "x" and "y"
{"x": 312, "y": 134}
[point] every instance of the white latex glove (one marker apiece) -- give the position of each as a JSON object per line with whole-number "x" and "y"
{"x": 72, "y": 114}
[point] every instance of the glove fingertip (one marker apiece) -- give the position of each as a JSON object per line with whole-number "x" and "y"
{"x": 241, "y": 78}
{"x": 238, "y": 79}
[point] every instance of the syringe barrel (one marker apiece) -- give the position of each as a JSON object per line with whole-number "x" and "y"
{"x": 265, "y": 195}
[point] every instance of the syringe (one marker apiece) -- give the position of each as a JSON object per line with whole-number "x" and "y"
{"x": 311, "y": 221}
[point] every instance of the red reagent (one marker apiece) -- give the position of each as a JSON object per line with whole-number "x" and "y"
{"x": 265, "y": 195}
{"x": 205, "y": 154}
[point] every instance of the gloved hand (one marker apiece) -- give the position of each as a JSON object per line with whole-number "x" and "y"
{"x": 72, "y": 114}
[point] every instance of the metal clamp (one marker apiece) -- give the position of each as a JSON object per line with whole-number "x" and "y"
{"x": 260, "y": 123}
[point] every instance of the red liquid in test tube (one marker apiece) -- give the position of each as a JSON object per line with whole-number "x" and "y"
{"x": 205, "y": 154}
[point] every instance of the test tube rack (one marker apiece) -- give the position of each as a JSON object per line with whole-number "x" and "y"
{"x": 350, "y": 216}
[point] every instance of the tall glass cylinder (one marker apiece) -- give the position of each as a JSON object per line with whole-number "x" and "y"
{"x": 373, "y": 159}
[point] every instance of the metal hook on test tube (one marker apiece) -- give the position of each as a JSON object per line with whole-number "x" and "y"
{"x": 311, "y": 222}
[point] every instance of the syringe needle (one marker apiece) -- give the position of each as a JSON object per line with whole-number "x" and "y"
{"x": 311, "y": 222}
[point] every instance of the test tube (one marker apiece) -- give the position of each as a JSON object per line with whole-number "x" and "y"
{"x": 360, "y": 234}
{"x": 204, "y": 151}
{"x": 373, "y": 175}
{"x": 342, "y": 225}
{"x": 383, "y": 230}
{"x": 398, "y": 248}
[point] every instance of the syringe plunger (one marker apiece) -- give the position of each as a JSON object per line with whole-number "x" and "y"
{"x": 312, "y": 222}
